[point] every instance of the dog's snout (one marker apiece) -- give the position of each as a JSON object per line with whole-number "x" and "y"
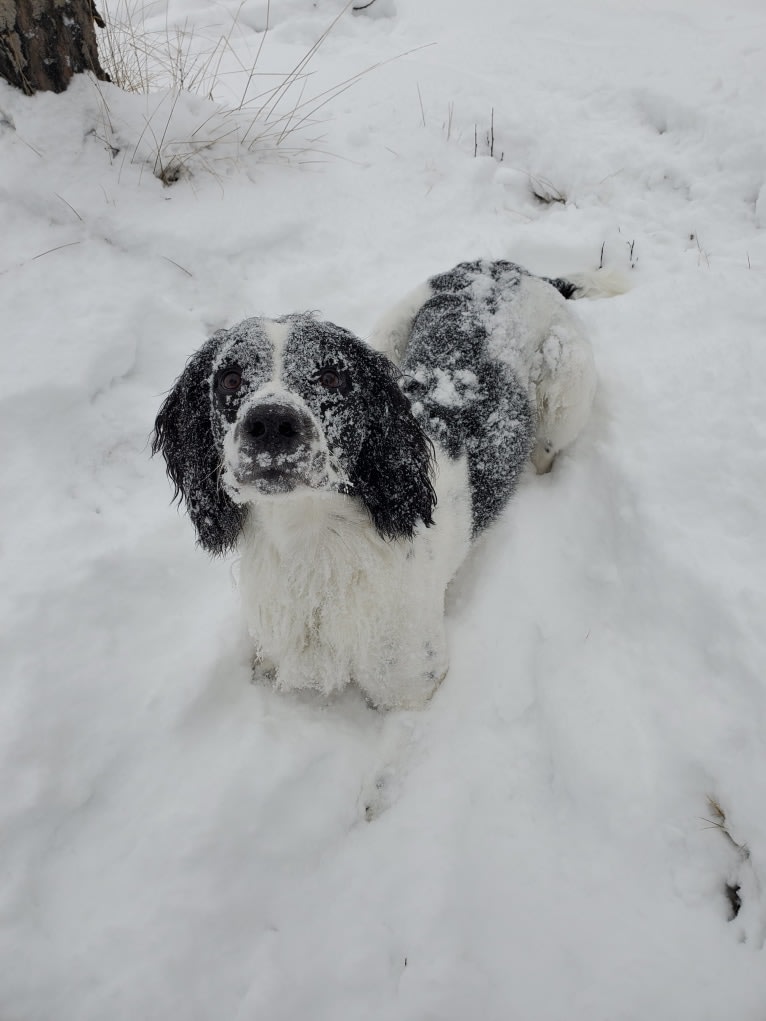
{"x": 276, "y": 426}
{"x": 275, "y": 447}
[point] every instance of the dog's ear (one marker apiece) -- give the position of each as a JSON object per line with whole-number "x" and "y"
{"x": 396, "y": 461}
{"x": 183, "y": 432}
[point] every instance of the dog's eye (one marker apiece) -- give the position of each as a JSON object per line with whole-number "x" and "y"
{"x": 330, "y": 379}
{"x": 229, "y": 381}
{"x": 334, "y": 379}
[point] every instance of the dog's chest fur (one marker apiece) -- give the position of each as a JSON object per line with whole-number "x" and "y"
{"x": 327, "y": 600}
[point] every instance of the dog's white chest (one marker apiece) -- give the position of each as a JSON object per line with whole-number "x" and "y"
{"x": 323, "y": 601}
{"x": 328, "y": 601}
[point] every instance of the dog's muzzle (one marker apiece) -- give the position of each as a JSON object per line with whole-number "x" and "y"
{"x": 278, "y": 448}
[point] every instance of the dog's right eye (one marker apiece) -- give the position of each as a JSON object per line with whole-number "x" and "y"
{"x": 229, "y": 381}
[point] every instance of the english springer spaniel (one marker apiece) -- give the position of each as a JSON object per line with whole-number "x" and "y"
{"x": 352, "y": 483}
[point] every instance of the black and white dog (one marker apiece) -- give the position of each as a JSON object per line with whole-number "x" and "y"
{"x": 352, "y": 483}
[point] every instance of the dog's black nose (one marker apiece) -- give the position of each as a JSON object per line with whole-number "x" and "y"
{"x": 276, "y": 427}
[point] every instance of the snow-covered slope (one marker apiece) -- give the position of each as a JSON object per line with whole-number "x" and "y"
{"x": 539, "y": 843}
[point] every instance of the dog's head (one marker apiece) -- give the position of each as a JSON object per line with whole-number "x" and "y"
{"x": 275, "y": 406}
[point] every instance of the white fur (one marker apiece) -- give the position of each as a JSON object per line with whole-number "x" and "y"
{"x": 540, "y": 336}
{"x": 328, "y": 601}
{"x": 277, "y": 334}
{"x": 392, "y": 331}
{"x": 599, "y": 283}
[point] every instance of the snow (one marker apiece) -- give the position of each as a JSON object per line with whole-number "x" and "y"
{"x": 180, "y": 843}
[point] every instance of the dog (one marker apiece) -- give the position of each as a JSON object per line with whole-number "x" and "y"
{"x": 352, "y": 482}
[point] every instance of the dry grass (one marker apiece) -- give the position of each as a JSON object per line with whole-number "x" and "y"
{"x": 141, "y": 60}
{"x": 718, "y": 822}
{"x": 273, "y": 114}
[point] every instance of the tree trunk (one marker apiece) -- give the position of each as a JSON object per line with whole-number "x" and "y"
{"x": 44, "y": 42}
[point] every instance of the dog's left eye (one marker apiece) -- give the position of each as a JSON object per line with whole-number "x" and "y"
{"x": 334, "y": 379}
{"x": 337, "y": 381}
{"x": 330, "y": 379}
{"x": 229, "y": 381}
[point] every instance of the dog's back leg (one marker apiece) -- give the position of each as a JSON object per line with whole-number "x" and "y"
{"x": 563, "y": 389}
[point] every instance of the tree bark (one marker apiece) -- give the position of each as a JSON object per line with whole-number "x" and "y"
{"x": 44, "y": 42}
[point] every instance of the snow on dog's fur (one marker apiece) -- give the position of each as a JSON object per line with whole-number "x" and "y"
{"x": 352, "y": 483}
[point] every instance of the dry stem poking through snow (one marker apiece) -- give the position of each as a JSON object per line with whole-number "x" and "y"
{"x": 275, "y": 113}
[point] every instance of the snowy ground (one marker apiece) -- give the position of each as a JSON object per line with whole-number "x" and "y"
{"x": 178, "y": 844}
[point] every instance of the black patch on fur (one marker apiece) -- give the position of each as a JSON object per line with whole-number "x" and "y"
{"x": 393, "y": 472}
{"x": 499, "y": 272}
{"x": 565, "y": 287}
{"x": 369, "y": 426}
{"x": 184, "y": 435}
{"x": 465, "y": 398}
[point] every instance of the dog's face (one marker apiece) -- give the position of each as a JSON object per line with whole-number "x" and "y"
{"x": 270, "y": 407}
{"x": 288, "y": 399}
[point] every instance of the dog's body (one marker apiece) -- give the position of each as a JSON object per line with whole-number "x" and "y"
{"x": 510, "y": 317}
{"x": 292, "y": 441}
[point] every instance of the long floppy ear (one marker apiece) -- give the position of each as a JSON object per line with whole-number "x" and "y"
{"x": 184, "y": 434}
{"x": 396, "y": 462}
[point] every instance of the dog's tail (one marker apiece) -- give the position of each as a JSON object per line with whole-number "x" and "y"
{"x": 598, "y": 283}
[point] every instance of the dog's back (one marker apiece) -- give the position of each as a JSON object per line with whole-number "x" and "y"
{"x": 465, "y": 397}
{"x": 497, "y": 368}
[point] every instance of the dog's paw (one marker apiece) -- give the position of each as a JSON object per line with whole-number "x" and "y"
{"x": 542, "y": 457}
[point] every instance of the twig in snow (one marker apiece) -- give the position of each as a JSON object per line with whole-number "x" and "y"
{"x": 70, "y": 206}
{"x": 58, "y": 248}
{"x": 420, "y": 97}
